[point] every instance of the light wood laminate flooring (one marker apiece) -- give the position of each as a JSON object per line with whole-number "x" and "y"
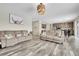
{"x": 38, "y": 48}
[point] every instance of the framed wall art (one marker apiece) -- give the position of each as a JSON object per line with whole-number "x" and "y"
{"x": 15, "y": 19}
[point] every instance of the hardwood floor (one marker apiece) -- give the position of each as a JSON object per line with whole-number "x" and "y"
{"x": 38, "y": 48}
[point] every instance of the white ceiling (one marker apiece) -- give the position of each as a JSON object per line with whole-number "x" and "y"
{"x": 55, "y": 12}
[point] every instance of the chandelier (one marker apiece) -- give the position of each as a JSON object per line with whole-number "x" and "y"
{"x": 41, "y": 9}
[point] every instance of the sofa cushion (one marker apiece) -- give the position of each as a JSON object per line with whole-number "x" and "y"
{"x": 24, "y": 33}
{"x": 9, "y": 35}
{"x": 1, "y": 34}
{"x": 18, "y": 34}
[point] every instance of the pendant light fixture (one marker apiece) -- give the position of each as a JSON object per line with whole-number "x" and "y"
{"x": 41, "y": 9}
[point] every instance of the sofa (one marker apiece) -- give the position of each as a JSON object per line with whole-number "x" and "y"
{"x": 52, "y": 38}
{"x": 10, "y": 38}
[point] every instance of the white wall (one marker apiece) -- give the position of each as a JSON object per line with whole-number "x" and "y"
{"x": 54, "y": 13}
{"x": 4, "y": 19}
{"x": 76, "y": 30}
